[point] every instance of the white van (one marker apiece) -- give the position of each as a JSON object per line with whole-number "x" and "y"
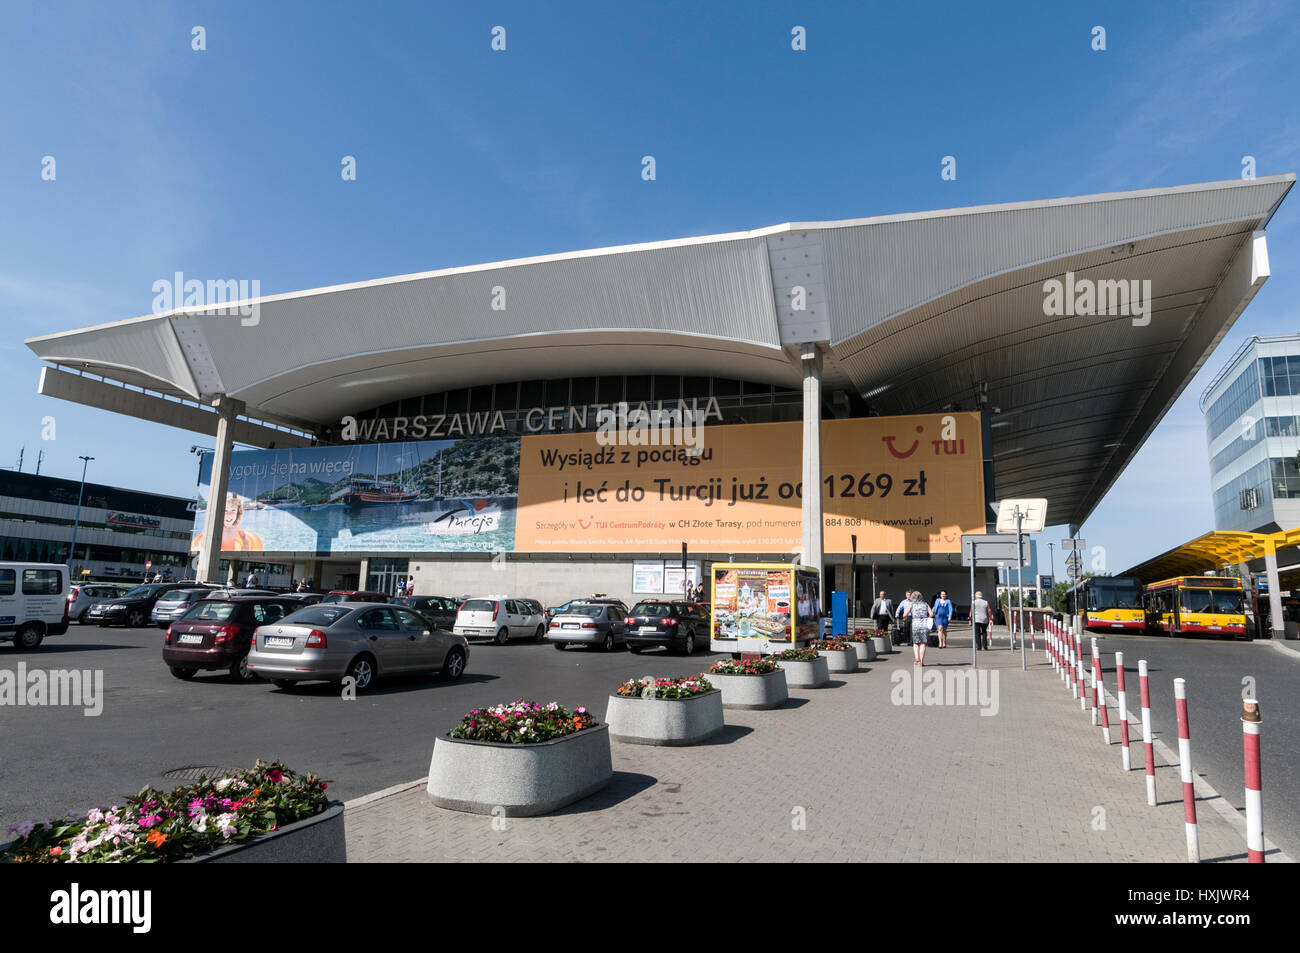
{"x": 33, "y": 602}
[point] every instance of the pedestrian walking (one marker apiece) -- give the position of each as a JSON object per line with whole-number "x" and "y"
{"x": 979, "y": 618}
{"x": 942, "y": 613}
{"x": 251, "y": 581}
{"x": 922, "y": 619}
{"x": 882, "y": 610}
{"x": 410, "y": 586}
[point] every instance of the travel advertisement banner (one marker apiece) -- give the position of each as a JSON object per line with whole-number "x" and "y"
{"x": 901, "y": 484}
{"x": 418, "y": 497}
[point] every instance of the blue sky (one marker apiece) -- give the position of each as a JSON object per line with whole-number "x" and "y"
{"x": 226, "y": 162}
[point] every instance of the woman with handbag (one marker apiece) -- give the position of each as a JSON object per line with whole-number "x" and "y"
{"x": 922, "y": 617}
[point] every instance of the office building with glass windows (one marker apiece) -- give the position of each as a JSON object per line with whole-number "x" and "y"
{"x": 1252, "y": 424}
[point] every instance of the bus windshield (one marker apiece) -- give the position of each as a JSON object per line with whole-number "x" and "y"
{"x": 1114, "y": 598}
{"x": 1226, "y": 601}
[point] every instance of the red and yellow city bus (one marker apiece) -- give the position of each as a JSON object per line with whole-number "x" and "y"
{"x": 1109, "y": 603}
{"x": 1192, "y": 605}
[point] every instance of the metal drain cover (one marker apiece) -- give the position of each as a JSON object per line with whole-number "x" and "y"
{"x": 194, "y": 771}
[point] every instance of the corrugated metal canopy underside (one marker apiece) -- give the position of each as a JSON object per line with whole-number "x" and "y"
{"x": 921, "y": 311}
{"x": 1214, "y": 551}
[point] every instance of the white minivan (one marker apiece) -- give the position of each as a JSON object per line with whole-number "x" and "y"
{"x": 33, "y": 602}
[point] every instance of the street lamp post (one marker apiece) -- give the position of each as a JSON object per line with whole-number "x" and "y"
{"x": 1051, "y": 554}
{"x": 76, "y": 520}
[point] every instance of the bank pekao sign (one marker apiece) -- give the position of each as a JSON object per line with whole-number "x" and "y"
{"x": 535, "y": 420}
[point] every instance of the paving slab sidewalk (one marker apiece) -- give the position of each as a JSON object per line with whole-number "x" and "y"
{"x": 845, "y": 774}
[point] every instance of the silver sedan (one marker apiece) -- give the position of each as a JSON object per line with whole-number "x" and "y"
{"x": 357, "y": 640}
{"x": 592, "y": 624}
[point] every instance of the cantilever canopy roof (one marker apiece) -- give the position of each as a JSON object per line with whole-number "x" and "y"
{"x": 1213, "y": 551}
{"x": 917, "y": 312}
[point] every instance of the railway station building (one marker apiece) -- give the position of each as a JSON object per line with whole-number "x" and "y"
{"x": 566, "y": 424}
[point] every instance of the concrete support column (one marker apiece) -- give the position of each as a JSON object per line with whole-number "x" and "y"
{"x": 215, "y": 518}
{"x": 365, "y": 571}
{"x": 1274, "y": 592}
{"x": 812, "y": 544}
{"x": 1252, "y": 598}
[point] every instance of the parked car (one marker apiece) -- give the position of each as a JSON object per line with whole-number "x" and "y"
{"x": 589, "y": 623}
{"x": 132, "y": 608}
{"x": 499, "y": 619}
{"x": 216, "y": 634}
{"x": 302, "y": 599}
{"x": 232, "y": 592}
{"x": 441, "y": 610}
{"x": 172, "y": 605}
{"x": 331, "y": 641}
{"x": 552, "y": 611}
{"x": 671, "y": 624}
{"x": 356, "y": 595}
{"x": 33, "y": 602}
{"x": 82, "y": 597}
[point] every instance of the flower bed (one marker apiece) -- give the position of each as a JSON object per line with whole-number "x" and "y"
{"x": 522, "y": 723}
{"x": 755, "y": 666}
{"x": 863, "y": 645}
{"x": 193, "y": 819}
{"x": 829, "y": 645}
{"x": 795, "y": 655}
{"x": 685, "y": 687}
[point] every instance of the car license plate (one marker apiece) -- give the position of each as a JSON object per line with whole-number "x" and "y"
{"x": 568, "y": 625}
{"x": 1215, "y": 628}
{"x": 279, "y": 642}
{"x": 648, "y": 628}
{"x": 190, "y": 638}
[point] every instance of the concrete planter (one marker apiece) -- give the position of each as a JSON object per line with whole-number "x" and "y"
{"x": 316, "y": 840}
{"x": 866, "y": 650}
{"x": 752, "y": 692}
{"x": 881, "y": 643}
{"x": 812, "y": 674}
{"x": 521, "y": 780}
{"x": 665, "y": 721}
{"x": 844, "y": 660}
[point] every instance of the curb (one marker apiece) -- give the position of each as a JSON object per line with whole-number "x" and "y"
{"x": 380, "y": 795}
{"x": 1283, "y": 647}
{"x": 1205, "y": 790}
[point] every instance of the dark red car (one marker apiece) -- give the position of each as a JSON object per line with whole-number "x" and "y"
{"x": 216, "y": 634}
{"x": 356, "y": 595}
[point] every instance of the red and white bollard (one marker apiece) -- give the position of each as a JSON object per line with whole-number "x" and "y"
{"x": 1123, "y": 711}
{"x": 1099, "y": 695}
{"x": 1096, "y": 670}
{"x": 1185, "y": 769}
{"x": 1081, "y": 678}
{"x": 1145, "y": 689}
{"x": 1254, "y": 788}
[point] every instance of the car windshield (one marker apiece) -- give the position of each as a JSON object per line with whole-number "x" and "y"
{"x": 184, "y": 595}
{"x": 653, "y": 610}
{"x": 1226, "y": 601}
{"x": 210, "y": 611}
{"x": 320, "y": 614}
{"x": 479, "y": 605}
{"x": 591, "y": 612}
{"x": 139, "y": 592}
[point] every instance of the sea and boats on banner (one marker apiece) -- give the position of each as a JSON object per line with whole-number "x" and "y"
{"x": 366, "y": 492}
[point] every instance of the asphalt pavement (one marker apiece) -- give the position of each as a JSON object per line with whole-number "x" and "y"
{"x": 54, "y": 760}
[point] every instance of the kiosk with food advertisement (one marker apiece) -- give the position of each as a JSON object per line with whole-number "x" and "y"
{"x": 764, "y": 607}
